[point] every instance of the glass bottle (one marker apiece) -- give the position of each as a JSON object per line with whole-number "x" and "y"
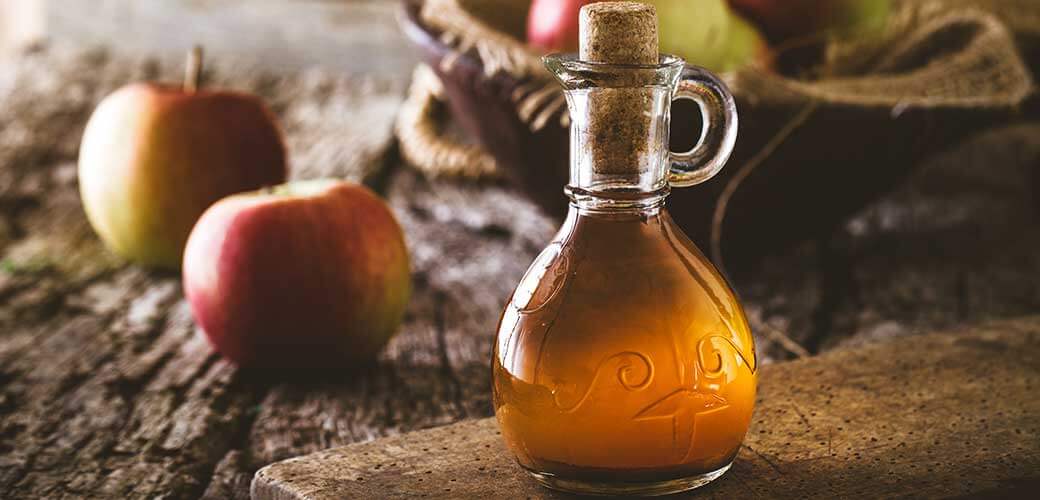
{"x": 623, "y": 362}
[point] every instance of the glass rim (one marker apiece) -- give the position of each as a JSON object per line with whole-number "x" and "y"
{"x": 570, "y": 62}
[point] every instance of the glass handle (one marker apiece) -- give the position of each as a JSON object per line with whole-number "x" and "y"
{"x": 719, "y": 133}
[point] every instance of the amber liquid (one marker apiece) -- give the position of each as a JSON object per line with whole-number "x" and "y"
{"x": 623, "y": 356}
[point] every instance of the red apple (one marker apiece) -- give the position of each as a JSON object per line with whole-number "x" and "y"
{"x": 154, "y": 157}
{"x": 552, "y": 25}
{"x": 309, "y": 274}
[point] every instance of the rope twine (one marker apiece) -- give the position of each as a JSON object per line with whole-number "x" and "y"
{"x": 421, "y": 138}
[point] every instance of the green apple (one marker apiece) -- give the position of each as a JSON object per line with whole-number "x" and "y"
{"x": 708, "y": 33}
{"x": 154, "y": 157}
{"x": 859, "y": 17}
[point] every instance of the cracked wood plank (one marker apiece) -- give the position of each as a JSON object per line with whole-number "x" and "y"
{"x": 956, "y": 243}
{"x": 939, "y": 415}
{"x": 356, "y": 36}
{"x": 465, "y": 247}
{"x": 106, "y": 390}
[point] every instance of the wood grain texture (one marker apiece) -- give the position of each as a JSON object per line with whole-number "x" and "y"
{"x": 106, "y": 389}
{"x": 939, "y": 415}
{"x": 356, "y": 36}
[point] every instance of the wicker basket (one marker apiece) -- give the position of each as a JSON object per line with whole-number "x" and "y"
{"x": 810, "y": 152}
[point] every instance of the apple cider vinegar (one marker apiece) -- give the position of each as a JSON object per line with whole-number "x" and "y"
{"x": 623, "y": 354}
{"x": 623, "y": 362}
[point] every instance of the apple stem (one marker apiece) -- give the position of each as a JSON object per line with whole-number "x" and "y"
{"x": 193, "y": 69}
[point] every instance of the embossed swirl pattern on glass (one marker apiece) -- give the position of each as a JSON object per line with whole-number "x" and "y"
{"x": 623, "y": 352}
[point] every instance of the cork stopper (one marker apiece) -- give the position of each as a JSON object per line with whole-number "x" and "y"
{"x": 618, "y": 129}
{"x": 618, "y": 33}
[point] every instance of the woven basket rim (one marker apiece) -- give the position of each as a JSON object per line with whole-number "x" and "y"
{"x": 497, "y": 52}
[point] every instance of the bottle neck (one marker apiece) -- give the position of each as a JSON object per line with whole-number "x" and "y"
{"x": 618, "y": 201}
{"x": 619, "y": 148}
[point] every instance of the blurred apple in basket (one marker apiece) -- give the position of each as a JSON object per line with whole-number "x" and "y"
{"x": 706, "y": 33}
{"x": 552, "y": 25}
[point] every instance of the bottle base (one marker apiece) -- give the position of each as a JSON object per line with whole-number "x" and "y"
{"x": 622, "y": 488}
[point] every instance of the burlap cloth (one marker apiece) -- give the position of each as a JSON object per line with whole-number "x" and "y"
{"x": 949, "y": 67}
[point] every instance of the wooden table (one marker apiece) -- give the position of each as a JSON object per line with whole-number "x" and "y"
{"x": 949, "y": 414}
{"x": 107, "y": 390}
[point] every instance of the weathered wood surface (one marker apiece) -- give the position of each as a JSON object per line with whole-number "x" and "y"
{"x": 947, "y": 414}
{"x": 357, "y": 36}
{"x": 106, "y": 390}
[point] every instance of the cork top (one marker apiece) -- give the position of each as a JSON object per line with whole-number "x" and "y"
{"x": 618, "y": 33}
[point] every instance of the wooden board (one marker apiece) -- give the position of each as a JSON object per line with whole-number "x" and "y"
{"x": 940, "y": 415}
